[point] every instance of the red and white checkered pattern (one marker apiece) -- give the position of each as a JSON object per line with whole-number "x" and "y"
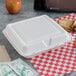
{"x": 59, "y": 61}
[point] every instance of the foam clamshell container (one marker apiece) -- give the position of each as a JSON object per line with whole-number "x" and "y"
{"x": 36, "y": 35}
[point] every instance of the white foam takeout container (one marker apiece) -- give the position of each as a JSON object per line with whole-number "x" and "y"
{"x": 36, "y": 35}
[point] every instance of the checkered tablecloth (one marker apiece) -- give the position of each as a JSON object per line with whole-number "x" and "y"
{"x": 59, "y": 61}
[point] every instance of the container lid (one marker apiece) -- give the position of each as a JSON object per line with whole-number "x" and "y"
{"x": 35, "y": 35}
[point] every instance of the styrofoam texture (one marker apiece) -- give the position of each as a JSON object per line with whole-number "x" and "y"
{"x": 35, "y": 35}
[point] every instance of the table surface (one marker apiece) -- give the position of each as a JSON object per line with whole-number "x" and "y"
{"x": 26, "y": 12}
